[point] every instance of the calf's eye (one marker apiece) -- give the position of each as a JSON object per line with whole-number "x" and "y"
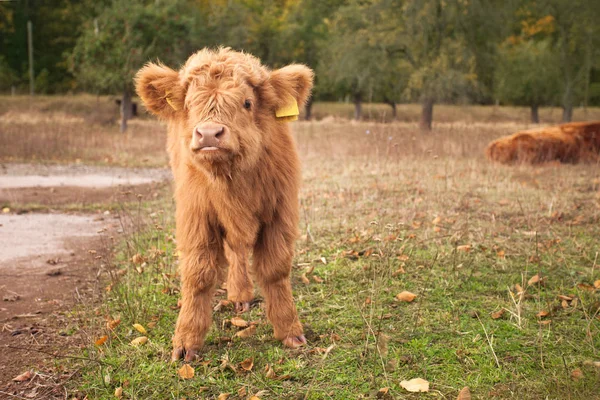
{"x": 247, "y": 104}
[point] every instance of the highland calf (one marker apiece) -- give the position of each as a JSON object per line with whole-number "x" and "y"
{"x": 567, "y": 143}
{"x": 236, "y": 183}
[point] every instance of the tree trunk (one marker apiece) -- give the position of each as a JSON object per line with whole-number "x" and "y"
{"x": 426, "y": 115}
{"x": 567, "y": 113}
{"x": 535, "y": 116}
{"x": 125, "y": 109}
{"x": 308, "y": 109}
{"x": 392, "y": 104}
{"x": 357, "y": 106}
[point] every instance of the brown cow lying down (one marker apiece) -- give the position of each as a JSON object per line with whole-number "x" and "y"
{"x": 236, "y": 183}
{"x": 568, "y": 143}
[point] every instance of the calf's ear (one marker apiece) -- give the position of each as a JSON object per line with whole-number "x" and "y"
{"x": 293, "y": 81}
{"x": 159, "y": 88}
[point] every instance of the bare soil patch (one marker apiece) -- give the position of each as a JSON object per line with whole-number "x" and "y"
{"x": 49, "y": 262}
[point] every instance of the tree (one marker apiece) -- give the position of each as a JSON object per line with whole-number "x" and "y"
{"x": 121, "y": 38}
{"x": 527, "y": 74}
{"x": 432, "y": 41}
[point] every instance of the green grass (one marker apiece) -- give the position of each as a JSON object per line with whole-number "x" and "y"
{"x": 370, "y": 208}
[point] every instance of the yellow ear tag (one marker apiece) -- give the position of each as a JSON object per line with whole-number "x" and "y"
{"x": 289, "y": 112}
{"x": 170, "y": 102}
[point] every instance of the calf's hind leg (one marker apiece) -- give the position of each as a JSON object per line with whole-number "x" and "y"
{"x": 273, "y": 253}
{"x": 240, "y": 289}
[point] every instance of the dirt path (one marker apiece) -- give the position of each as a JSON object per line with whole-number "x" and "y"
{"x": 49, "y": 261}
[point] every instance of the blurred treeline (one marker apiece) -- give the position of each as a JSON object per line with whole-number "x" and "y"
{"x": 520, "y": 52}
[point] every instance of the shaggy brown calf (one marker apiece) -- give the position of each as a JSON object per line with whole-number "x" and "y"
{"x": 568, "y": 143}
{"x": 236, "y": 183}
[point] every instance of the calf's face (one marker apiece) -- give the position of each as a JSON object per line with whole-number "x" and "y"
{"x": 224, "y": 103}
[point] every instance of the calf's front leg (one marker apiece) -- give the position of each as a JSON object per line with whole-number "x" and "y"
{"x": 199, "y": 273}
{"x": 240, "y": 289}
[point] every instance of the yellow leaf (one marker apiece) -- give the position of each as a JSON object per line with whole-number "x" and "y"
{"x": 223, "y": 396}
{"x": 597, "y": 284}
{"x": 139, "y": 341}
{"x": 436, "y": 220}
{"x": 140, "y": 328}
{"x": 415, "y": 385}
{"x": 244, "y": 333}
{"x": 465, "y": 248}
{"x": 533, "y": 280}
{"x": 464, "y": 394}
{"x": 5, "y": 210}
{"x": 406, "y": 296}
{"x": 239, "y": 322}
{"x": 101, "y": 340}
{"x": 247, "y": 364}
{"x": 305, "y": 280}
{"x": 186, "y": 372}
{"x": 119, "y": 392}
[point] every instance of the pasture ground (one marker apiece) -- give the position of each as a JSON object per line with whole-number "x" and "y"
{"x": 503, "y": 261}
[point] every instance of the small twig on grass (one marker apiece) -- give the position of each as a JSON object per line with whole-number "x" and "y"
{"x": 13, "y": 395}
{"x": 489, "y": 341}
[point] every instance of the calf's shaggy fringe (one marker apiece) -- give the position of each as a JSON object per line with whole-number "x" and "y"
{"x": 568, "y": 143}
{"x": 240, "y": 197}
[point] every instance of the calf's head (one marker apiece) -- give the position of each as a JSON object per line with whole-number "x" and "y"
{"x": 223, "y": 104}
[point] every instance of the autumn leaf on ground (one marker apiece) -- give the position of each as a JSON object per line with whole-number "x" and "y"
{"x": 25, "y": 376}
{"x": 221, "y": 304}
{"x": 139, "y": 341}
{"x": 5, "y": 210}
{"x": 223, "y": 396}
{"x": 119, "y": 392}
{"x": 597, "y": 284}
{"x": 305, "y": 280}
{"x": 534, "y": 280}
{"x": 244, "y": 333}
{"x": 498, "y": 314}
{"x": 564, "y": 298}
{"x": 586, "y": 287}
{"x": 137, "y": 259}
{"x": 464, "y": 394}
{"x": 239, "y": 322}
{"x": 317, "y": 279}
{"x": 576, "y": 374}
{"x": 406, "y": 296}
{"x": 415, "y": 385}
{"x": 112, "y": 323}
{"x": 101, "y": 340}
{"x": 247, "y": 364}
{"x": 464, "y": 248}
{"x": 140, "y": 328}
{"x": 542, "y": 314}
{"x": 186, "y": 372}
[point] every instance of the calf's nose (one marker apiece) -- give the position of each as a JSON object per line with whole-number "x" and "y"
{"x": 209, "y": 135}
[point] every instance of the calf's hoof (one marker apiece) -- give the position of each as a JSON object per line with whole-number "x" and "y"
{"x": 242, "y": 307}
{"x": 294, "y": 342}
{"x": 180, "y": 352}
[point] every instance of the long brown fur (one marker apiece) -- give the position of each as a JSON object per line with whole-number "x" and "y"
{"x": 242, "y": 200}
{"x": 568, "y": 143}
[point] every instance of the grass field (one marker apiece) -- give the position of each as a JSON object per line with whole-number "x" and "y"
{"x": 504, "y": 263}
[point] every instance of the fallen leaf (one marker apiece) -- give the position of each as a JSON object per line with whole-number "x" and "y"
{"x": 545, "y": 322}
{"x": 317, "y": 279}
{"x": 436, "y": 220}
{"x": 242, "y": 392}
{"x": 186, "y": 371}
{"x": 305, "y": 280}
{"x": 5, "y": 210}
{"x": 101, "y": 340}
{"x": 383, "y": 393}
{"x": 498, "y": 314}
{"x": 247, "y": 364}
{"x": 221, "y": 304}
{"x": 25, "y": 376}
{"x": 519, "y": 288}
{"x": 112, "y": 323}
{"x": 254, "y": 398}
{"x": 415, "y": 385}
{"x": 137, "y": 259}
{"x": 223, "y": 396}
{"x": 576, "y": 374}
{"x": 244, "y": 333}
{"x": 533, "y": 280}
{"x": 597, "y": 284}
{"x": 382, "y": 344}
{"x": 464, "y": 394}
{"x": 586, "y": 287}
{"x": 119, "y": 392}
{"x": 239, "y": 322}
{"x": 323, "y": 260}
{"x": 542, "y": 314}
{"x": 140, "y": 328}
{"x": 592, "y": 363}
{"x": 139, "y": 341}
{"x": 464, "y": 248}
{"x": 406, "y": 296}
{"x": 564, "y": 298}
{"x": 501, "y": 254}
{"x": 270, "y": 373}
